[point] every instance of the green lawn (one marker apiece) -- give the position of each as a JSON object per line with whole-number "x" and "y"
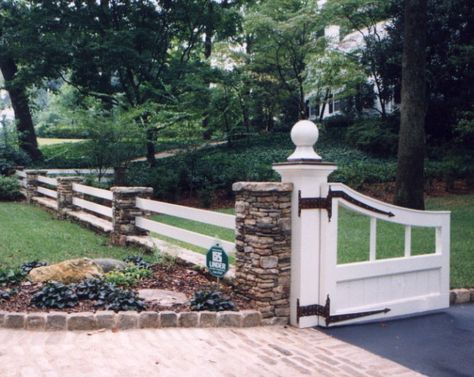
{"x": 29, "y": 233}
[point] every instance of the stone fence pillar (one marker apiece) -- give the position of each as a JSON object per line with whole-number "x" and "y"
{"x": 32, "y": 183}
{"x": 65, "y": 194}
{"x": 263, "y": 247}
{"x": 124, "y": 211}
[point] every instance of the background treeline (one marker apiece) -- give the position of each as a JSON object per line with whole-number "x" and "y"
{"x": 137, "y": 77}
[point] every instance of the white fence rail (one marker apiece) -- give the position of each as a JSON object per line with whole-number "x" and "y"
{"x": 47, "y": 192}
{"x": 47, "y": 180}
{"x": 180, "y": 234}
{"x": 93, "y": 207}
{"x": 92, "y": 191}
{"x": 204, "y": 216}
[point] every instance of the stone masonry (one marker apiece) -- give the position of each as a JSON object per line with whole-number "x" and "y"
{"x": 32, "y": 183}
{"x": 65, "y": 194}
{"x": 124, "y": 212}
{"x": 263, "y": 247}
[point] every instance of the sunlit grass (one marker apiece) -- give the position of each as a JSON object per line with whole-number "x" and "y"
{"x": 50, "y": 141}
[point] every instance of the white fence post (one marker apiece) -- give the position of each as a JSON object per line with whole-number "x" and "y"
{"x": 309, "y": 176}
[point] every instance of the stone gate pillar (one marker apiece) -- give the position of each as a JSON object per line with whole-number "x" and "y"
{"x": 65, "y": 193}
{"x": 309, "y": 175}
{"x": 263, "y": 247}
{"x": 124, "y": 212}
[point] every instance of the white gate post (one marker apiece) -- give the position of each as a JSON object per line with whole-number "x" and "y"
{"x": 309, "y": 174}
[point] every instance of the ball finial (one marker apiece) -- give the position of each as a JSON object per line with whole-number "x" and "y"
{"x": 304, "y": 135}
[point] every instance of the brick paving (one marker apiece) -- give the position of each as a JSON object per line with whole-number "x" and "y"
{"x": 251, "y": 352}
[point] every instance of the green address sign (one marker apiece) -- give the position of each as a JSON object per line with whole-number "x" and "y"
{"x": 217, "y": 261}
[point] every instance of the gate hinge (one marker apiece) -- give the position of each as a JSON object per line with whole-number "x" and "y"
{"x": 324, "y": 311}
{"x": 326, "y": 203}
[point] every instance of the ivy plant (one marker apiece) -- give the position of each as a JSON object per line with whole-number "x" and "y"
{"x": 213, "y": 301}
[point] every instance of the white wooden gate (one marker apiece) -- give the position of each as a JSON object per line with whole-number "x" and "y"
{"x": 324, "y": 292}
{"x": 381, "y": 288}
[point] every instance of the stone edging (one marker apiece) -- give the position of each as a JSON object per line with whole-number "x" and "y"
{"x": 461, "y": 296}
{"x": 62, "y": 321}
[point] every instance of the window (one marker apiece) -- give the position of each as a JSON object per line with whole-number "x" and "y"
{"x": 331, "y": 103}
{"x": 337, "y": 105}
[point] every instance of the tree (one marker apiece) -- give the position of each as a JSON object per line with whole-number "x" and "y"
{"x": 283, "y": 34}
{"x": 10, "y": 17}
{"x": 411, "y": 146}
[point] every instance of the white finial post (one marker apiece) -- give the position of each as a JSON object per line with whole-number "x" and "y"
{"x": 304, "y": 135}
{"x": 309, "y": 175}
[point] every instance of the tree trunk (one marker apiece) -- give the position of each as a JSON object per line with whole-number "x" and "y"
{"x": 20, "y": 103}
{"x": 411, "y": 144}
{"x": 150, "y": 146}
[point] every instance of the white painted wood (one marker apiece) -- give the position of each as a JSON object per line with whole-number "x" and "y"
{"x": 20, "y": 173}
{"x": 208, "y": 217}
{"x": 307, "y": 236}
{"x": 93, "y": 207}
{"x": 92, "y": 191}
{"x": 402, "y": 215}
{"x": 47, "y": 192}
{"x": 47, "y": 180}
{"x": 373, "y": 239}
{"x": 180, "y": 234}
{"x": 407, "y": 241}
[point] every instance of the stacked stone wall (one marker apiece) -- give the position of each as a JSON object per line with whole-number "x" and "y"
{"x": 263, "y": 247}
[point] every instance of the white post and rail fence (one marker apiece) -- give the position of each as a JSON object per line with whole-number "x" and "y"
{"x": 286, "y": 239}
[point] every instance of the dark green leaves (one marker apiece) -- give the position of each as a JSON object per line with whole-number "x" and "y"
{"x": 211, "y": 300}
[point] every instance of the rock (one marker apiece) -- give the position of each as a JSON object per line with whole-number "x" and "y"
{"x": 163, "y": 297}
{"x": 70, "y": 271}
{"x": 109, "y": 264}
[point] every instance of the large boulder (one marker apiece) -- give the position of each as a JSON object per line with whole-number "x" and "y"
{"x": 109, "y": 264}
{"x": 69, "y": 271}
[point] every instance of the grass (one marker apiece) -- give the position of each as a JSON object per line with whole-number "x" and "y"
{"x": 198, "y": 227}
{"x": 50, "y": 141}
{"x": 29, "y": 233}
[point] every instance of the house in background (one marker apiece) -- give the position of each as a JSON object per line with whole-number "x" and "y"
{"x": 334, "y": 104}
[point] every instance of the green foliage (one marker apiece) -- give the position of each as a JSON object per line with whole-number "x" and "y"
{"x": 123, "y": 300}
{"x": 25, "y": 268}
{"x": 165, "y": 260}
{"x": 10, "y": 158}
{"x": 108, "y": 296}
{"x": 128, "y": 277}
{"x": 55, "y": 296}
{"x": 11, "y": 276}
{"x": 376, "y": 136}
{"x": 213, "y": 301}
{"x": 138, "y": 261}
{"x": 9, "y": 188}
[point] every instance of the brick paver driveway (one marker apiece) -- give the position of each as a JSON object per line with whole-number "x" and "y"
{"x": 263, "y": 351}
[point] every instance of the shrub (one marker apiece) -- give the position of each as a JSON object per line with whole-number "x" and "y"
{"x": 211, "y": 300}
{"x": 11, "y": 277}
{"x": 9, "y": 188}
{"x": 94, "y": 289}
{"x": 122, "y": 300}
{"x": 137, "y": 260}
{"x": 28, "y": 266}
{"x": 338, "y": 120}
{"x": 55, "y": 295}
{"x": 10, "y": 158}
{"x": 374, "y": 135}
{"x": 127, "y": 277}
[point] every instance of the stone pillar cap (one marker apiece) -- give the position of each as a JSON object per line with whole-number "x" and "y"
{"x": 304, "y": 135}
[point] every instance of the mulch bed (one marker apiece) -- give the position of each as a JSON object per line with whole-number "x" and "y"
{"x": 178, "y": 278}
